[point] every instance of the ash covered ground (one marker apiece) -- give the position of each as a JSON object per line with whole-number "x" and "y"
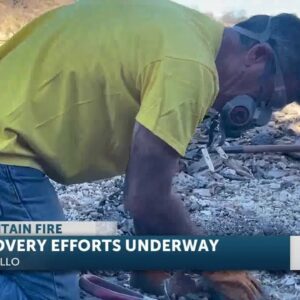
{"x": 249, "y": 194}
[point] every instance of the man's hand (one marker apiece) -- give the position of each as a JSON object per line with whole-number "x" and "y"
{"x": 148, "y": 193}
{"x": 234, "y": 285}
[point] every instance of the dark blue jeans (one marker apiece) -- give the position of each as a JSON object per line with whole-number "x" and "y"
{"x": 27, "y": 195}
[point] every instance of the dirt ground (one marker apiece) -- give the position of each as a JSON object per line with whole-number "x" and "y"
{"x": 248, "y": 194}
{"x": 14, "y": 14}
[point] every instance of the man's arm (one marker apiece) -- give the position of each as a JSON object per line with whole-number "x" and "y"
{"x": 148, "y": 187}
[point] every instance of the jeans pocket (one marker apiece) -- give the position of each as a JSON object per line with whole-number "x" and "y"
{"x": 25, "y": 173}
{"x": 13, "y": 207}
{"x": 32, "y": 196}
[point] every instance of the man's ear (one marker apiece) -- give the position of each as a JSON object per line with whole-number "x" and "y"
{"x": 259, "y": 53}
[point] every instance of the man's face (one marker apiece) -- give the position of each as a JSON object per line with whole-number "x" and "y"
{"x": 250, "y": 72}
{"x": 254, "y": 82}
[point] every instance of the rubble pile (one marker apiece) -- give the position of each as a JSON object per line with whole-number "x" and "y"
{"x": 247, "y": 195}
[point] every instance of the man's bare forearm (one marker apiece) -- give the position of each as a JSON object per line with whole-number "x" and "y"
{"x": 171, "y": 217}
{"x": 148, "y": 188}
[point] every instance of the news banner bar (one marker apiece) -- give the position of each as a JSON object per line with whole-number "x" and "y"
{"x": 57, "y": 228}
{"x": 40, "y": 246}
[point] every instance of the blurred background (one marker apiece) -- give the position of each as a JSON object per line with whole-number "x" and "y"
{"x": 16, "y": 13}
{"x": 241, "y": 8}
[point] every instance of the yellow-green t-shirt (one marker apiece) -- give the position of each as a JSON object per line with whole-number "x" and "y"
{"x": 73, "y": 82}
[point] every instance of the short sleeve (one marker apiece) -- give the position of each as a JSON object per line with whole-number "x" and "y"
{"x": 175, "y": 96}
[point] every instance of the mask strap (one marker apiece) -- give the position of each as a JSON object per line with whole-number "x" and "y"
{"x": 263, "y": 38}
{"x": 260, "y": 37}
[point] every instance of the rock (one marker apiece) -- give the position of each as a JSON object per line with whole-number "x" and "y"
{"x": 202, "y": 180}
{"x": 121, "y": 208}
{"x": 289, "y": 281}
{"x": 275, "y": 186}
{"x": 286, "y": 184}
{"x": 202, "y": 192}
{"x": 94, "y": 214}
{"x": 268, "y": 229}
{"x": 192, "y": 153}
{"x": 206, "y": 213}
{"x": 281, "y": 165}
{"x": 185, "y": 182}
{"x": 261, "y": 163}
{"x": 239, "y": 168}
{"x": 258, "y": 172}
{"x": 228, "y": 171}
{"x": 194, "y": 206}
{"x": 217, "y": 177}
{"x": 204, "y": 202}
{"x": 216, "y": 187}
{"x": 195, "y": 167}
{"x": 291, "y": 178}
{"x": 263, "y": 138}
{"x": 275, "y": 173}
{"x": 249, "y": 213}
{"x": 284, "y": 196}
{"x": 88, "y": 211}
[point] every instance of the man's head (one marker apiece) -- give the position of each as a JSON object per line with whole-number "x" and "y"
{"x": 260, "y": 58}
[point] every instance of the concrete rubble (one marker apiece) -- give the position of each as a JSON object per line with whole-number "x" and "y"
{"x": 247, "y": 195}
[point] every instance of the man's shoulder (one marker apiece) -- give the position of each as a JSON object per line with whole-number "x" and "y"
{"x": 184, "y": 33}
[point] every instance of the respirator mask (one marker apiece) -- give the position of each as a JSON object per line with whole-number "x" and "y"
{"x": 244, "y": 112}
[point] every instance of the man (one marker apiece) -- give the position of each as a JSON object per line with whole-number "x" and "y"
{"x": 99, "y": 87}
